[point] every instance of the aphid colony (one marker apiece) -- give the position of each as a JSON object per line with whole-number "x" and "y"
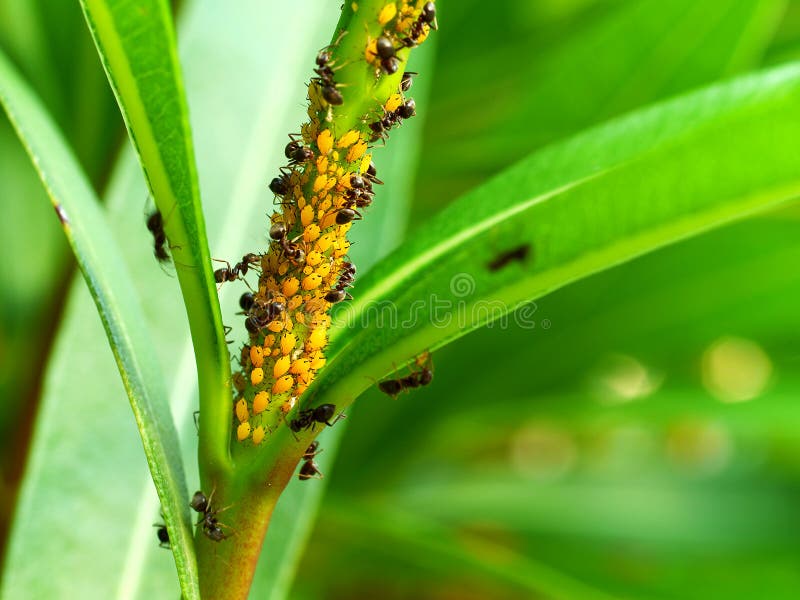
{"x": 327, "y": 183}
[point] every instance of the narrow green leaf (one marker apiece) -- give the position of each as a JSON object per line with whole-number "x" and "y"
{"x": 595, "y": 201}
{"x": 136, "y": 43}
{"x": 117, "y": 302}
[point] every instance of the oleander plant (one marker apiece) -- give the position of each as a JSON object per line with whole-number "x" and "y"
{"x": 279, "y": 208}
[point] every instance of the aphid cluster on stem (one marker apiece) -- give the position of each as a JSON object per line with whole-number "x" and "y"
{"x": 327, "y": 184}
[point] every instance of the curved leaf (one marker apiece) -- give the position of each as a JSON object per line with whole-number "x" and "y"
{"x": 118, "y": 304}
{"x": 592, "y": 202}
{"x": 137, "y": 46}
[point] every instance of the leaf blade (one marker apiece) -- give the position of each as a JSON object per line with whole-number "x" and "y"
{"x": 118, "y": 305}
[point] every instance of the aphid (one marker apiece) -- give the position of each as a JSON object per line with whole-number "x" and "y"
{"x": 163, "y": 536}
{"x": 208, "y": 520}
{"x": 155, "y": 224}
{"x": 311, "y": 416}
{"x": 518, "y": 254}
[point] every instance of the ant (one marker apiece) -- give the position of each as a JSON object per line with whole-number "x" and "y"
{"x": 360, "y": 192}
{"x": 392, "y": 387}
{"x": 324, "y": 73}
{"x": 280, "y": 185}
{"x": 163, "y": 536}
{"x": 296, "y": 152}
{"x": 310, "y": 468}
{"x": 380, "y": 128}
{"x": 346, "y": 277}
{"x": 209, "y": 521}
{"x": 426, "y": 17}
{"x": 519, "y": 254}
{"x": 307, "y": 419}
{"x": 239, "y": 269}
{"x": 407, "y": 81}
{"x": 386, "y": 52}
{"x": 291, "y": 250}
{"x": 372, "y": 174}
{"x": 261, "y": 314}
{"x": 155, "y": 224}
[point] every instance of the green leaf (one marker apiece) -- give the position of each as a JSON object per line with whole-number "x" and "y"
{"x": 118, "y": 304}
{"x": 639, "y": 52}
{"x": 579, "y": 207}
{"x": 136, "y": 42}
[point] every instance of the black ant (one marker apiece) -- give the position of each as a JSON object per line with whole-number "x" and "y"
{"x": 407, "y": 81}
{"x": 324, "y": 73}
{"x": 392, "y": 387}
{"x": 386, "y": 52}
{"x": 155, "y": 224}
{"x": 238, "y": 270}
{"x": 380, "y": 128}
{"x": 311, "y": 416}
{"x": 209, "y": 521}
{"x": 163, "y": 536}
{"x": 426, "y": 17}
{"x": 280, "y": 185}
{"x": 372, "y": 174}
{"x": 310, "y": 468}
{"x": 291, "y": 250}
{"x": 296, "y": 152}
{"x": 518, "y": 254}
{"x": 261, "y": 314}
{"x": 346, "y": 277}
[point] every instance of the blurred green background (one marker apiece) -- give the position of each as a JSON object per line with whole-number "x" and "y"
{"x": 642, "y": 441}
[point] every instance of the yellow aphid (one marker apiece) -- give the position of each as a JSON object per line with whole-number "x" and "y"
{"x": 300, "y": 366}
{"x": 243, "y": 431}
{"x": 341, "y": 249}
{"x": 317, "y": 362}
{"x": 300, "y": 318}
{"x": 283, "y": 384}
{"x": 241, "y": 411}
{"x": 257, "y": 376}
{"x": 314, "y": 258}
{"x": 320, "y": 182}
{"x": 312, "y": 282}
{"x": 315, "y": 304}
{"x": 288, "y": 342}
{"x": 288, "y": 405}
{"x": 325, "y": 242}
{"x": 306, "y": 215}
{"x": 317, "y": 339}
{"x": 258, "y": 435}
{"x": 260, "y": 401}
{"x": 301, "y": 387}
{"x": 281, "y": 366}
{"x": 326, "y": 220}
{"x": 269, "y": 340}
{"x": 308, "y": 270}
{"x": 357, "y": 151}
{"x": 257, "y": 356}
{"x": 348, "y": 139}
{"x": 322, "y": 164}
{"x": 283, "y": 268}
{"x": 276, "y": 353}
{"x": 387, "y": 13}
{"x": 371, "y": 51}
{"x": 325, "y": 206}
{"x": 311, "y": 233}
{"x": 290, "y": 287}
{"x": 393, "y": 103}
{"x": 325, "y": 141}
{"x": 276, "y": 326}
{"x": 295, "y": 302}
{"x": 324, "y": 269}
{"x": 365, "y": 163}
